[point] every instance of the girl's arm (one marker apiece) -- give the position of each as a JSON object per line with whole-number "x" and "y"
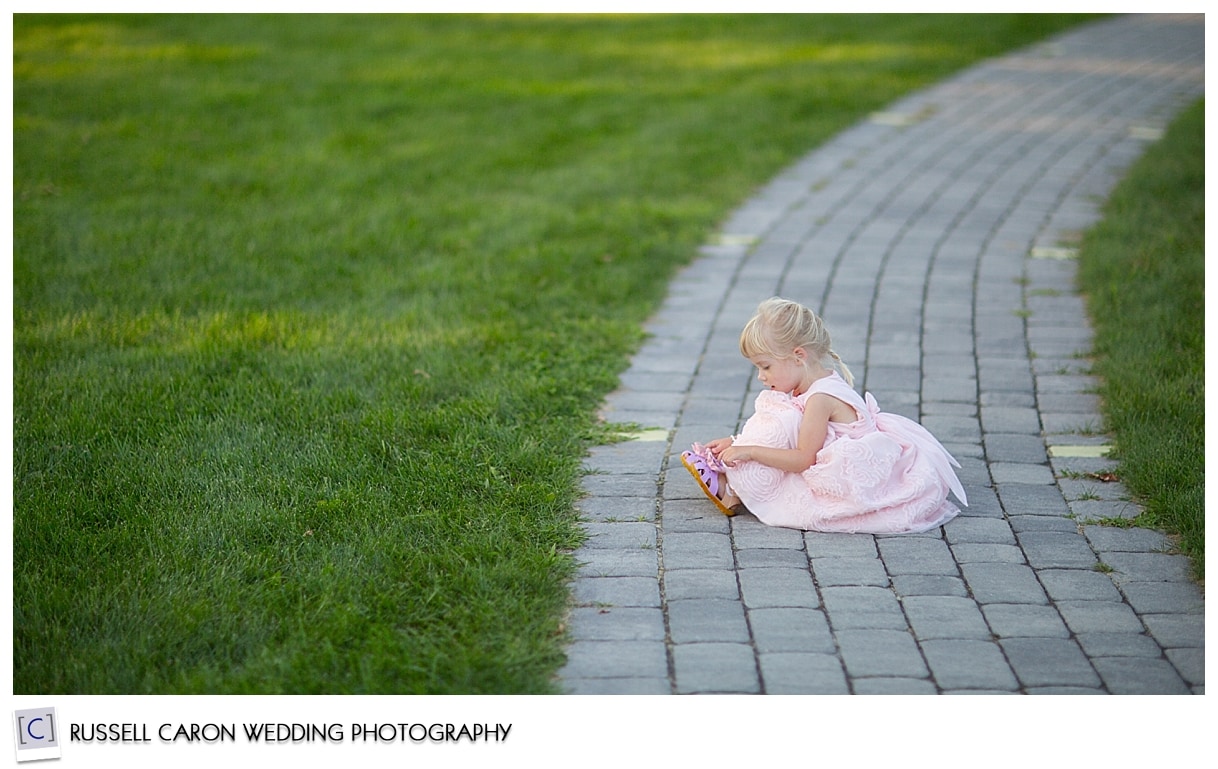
{"x": 813, "y": 428}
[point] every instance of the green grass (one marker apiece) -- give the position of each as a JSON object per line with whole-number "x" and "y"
{"x": 1143, "y": 272}
{"x": 312, "y": 316}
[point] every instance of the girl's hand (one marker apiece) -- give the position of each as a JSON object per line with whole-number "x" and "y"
{"x": 719, "y": 445}
{"x": 733, "y": 455}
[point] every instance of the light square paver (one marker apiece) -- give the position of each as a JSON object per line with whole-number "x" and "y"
{"x": 617, "y": 591}
{"x": 1163, "y": 597}
{"x": 1057, "y": 550}
{"x": 617, "y": 624}
{"x": 822, "y": 545}
{"x": 965, "y": 664}
{"x": 617, "y": 563}
{"x": 698, "y": 551}
{"x": 617, "y": 659}
{"x": 1009, "y": 620}
{"x": 917, "y": 555}
{"x": 699, "y": 620}
{"x": 1049, "y": 662}
{"x": 768, "y": 587}
{"x": 880, "y": 653}
{"x": 1133, "y": 675}
{"x": 850, "y": 571}
{"x": 802, "y": 673}
{"x": 791, "y": 630}
{"x": 863, "y": 607}
{"x": 705, "y": 668}
{"x": 1003, "y": 583}
{"x": 928, "y": 584}
{"x": 1078, "y": 585}
{"x": 945, "y": 617}
{"x": 1104, "y": 644}
{"x": 1174, "y": 631}
{"x": 700, "y": 583}
{"x": 1099, "y": 617}
{"x": 894, "y": 686}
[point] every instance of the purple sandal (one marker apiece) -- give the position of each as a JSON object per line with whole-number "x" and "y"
{"x": 705, "y": 468}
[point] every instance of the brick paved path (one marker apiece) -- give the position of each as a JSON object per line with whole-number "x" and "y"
{"x": 934, "y": 239}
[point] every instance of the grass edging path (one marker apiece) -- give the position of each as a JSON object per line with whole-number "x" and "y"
{"x": 312, "y": 315}
{"x": 1142, "y": 270}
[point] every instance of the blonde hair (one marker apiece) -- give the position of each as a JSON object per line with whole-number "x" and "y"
{"x": 780, "y": 325}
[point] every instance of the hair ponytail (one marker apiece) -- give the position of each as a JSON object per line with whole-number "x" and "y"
{"x": 842, "y": 368}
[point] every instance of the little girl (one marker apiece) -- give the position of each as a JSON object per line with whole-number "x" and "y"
{"x": 815, "y": 455}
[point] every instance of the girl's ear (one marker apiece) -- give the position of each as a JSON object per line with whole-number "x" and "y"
{"x": 801, "y": 354}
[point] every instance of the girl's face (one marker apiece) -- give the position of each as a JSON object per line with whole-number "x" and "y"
{"x": 784, "y": 375}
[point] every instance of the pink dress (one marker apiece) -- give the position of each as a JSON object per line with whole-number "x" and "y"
{"x": 882, "y": 473}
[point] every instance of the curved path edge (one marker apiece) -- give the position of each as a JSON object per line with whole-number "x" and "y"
{"x": 936, "y": 239}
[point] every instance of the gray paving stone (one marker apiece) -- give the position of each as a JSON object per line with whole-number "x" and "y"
{"x": 880, "y": 653}
{"x": 689, "y": 516}
{"x": 916, "y": 555}
{"x": 705, "y": 668}
{"x": 1022, "y": 523}
{"x": 1049, "y": 662}
{"x": 620, "y": 536}
{"x": 617, "y": 563}
{"x": 693, "y": 550}
{"x": 1163, "y": 597}
{"x": 863, "y": 607}
{"x": 1032, "y": 499}
{"x": 620, "y": 624}
{"x": 965, "y": 530}
{"x": 1149, "y": 567}
{"x": 894, "y": 686}
{"x": 969, "y": 664}
{"x": 1089, "y": 510}
{"x": 1014, "y": 620}
{"x": 802, "y": 673}
{"x": 1003, "y": 583}
{"x": 1177, "y": 630}
{"x": 1014, "y": 420}
{"x": 1133, "y": 540}
{"x": 1078, "y": 585}
{"x": 823, "y": 545}
{"x": 630, "y": 456}
{"x": 701, "y": 620}
{"x": 778, "y": 587}
{"x": 700, "y": 583}
{"x": 849, "y": 571}
{"x": 1190, "y": 664}
{"x": 616, "y": 686}
{"x": 1099, "y": 617}
{"x": 791, "y": 630}
{"x": 1057, "y": 550}
{"x": 1005, "y": 473}
{"x": 937, "y": 617}
{"x": 756, "y": 534}
{"x": 617, "y": 659}
{"x": 606, "y": 509}
{"x": 971, "y": 552}
{"x": 1104, "y": 644}
{"x": 764, "y": 558}
{"x": 928, "y": 584}
{"x": 624, "y": 485}
{"x": 617, "y": 591}
{"x": 1133, "y": 675}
